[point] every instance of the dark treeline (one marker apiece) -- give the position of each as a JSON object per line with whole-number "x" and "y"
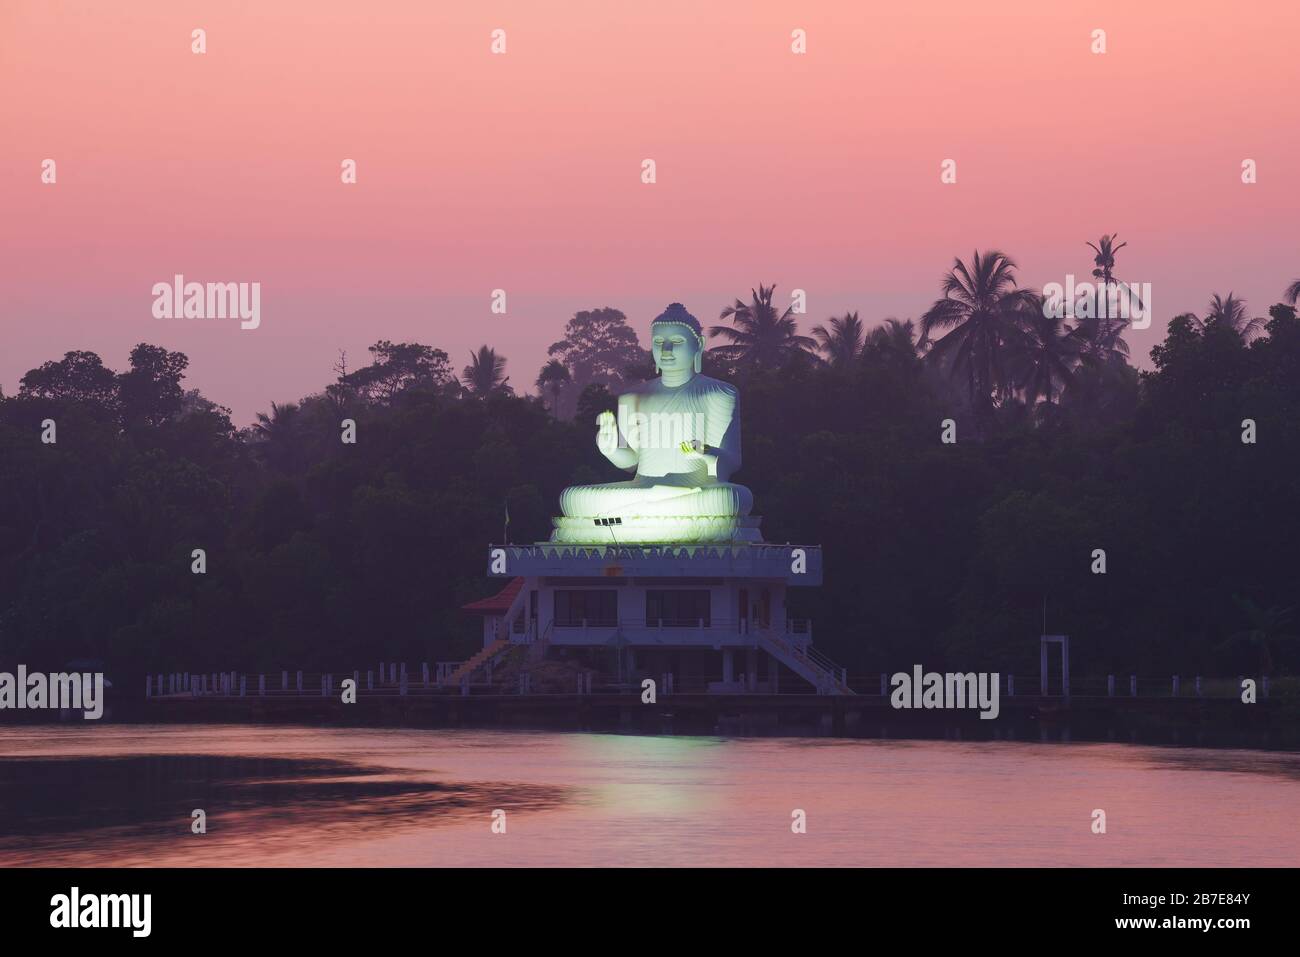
{"x": 326, "y": 555}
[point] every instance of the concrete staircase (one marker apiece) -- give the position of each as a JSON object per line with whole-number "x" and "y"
{"x": 477, "y": 662}
{"x": 809, "y": 664}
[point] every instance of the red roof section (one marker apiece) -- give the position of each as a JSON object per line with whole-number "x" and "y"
{"x": 499, "y": 603}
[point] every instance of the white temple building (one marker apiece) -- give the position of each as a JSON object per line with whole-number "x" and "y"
{"x": 664, "y": 575}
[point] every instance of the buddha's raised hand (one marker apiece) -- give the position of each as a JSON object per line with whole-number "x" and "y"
{"x": 606, "y": 432}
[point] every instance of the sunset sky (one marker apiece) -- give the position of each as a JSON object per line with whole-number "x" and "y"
{"x": 522, "y": 171}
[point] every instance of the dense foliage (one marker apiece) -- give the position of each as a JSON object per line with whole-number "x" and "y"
{"x": 326, "y": 555}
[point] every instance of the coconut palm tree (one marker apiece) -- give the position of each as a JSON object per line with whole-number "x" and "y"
{"x": 761, "y": 337}
{"x": 1106, "y": 249}
{"x": 1044, "y": 359}
{"x": 1292, "y": 293}
{"x": 1230, "y": 312}
{"x": 280, "y": 435}
{"x": 841, "y": 344}
{"x": 894, "y": 336}
{"x": 984, "y": 314}
{"x": 552, "y": 378}
{"x": 485, "y": 374}
{"x": 1103, "y": 334}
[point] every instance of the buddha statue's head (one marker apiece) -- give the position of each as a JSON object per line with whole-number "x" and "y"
{"x": 677, "y": 344}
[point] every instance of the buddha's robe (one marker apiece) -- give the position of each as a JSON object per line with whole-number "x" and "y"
{"x": 654, "y": 419}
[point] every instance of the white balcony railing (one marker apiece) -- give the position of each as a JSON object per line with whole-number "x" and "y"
{"x": 797, "y": 631}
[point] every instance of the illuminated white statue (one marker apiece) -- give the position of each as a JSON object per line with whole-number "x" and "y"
{"x": 680, "y": 434}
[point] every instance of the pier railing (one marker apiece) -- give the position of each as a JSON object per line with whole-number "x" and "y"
{"x": 396, "y": 679}
{"x": 1112, "y": 686}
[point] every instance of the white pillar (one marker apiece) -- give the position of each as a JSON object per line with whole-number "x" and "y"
{"x": 1132, "y": 686}
{"x": 299, "y": 682}
{"x": 1110, "y": 686}
{"x": 1175, "y": 686}
{"x": 728, "y": 666}
{"x": 261, "y": 685}
{"x": 424, "y": 673}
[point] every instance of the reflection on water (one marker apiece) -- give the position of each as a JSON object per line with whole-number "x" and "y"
{"x": 61, "y": 804}
{"x": 122, "y": 795}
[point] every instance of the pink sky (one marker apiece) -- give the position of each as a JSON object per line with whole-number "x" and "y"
{"x": 522, "y": 171}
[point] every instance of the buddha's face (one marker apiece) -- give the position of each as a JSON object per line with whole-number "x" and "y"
{"x": 674, "y": 348}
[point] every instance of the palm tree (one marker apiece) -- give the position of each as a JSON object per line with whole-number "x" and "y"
{"x": 894, "y": 336}
{"x": 1292, "y": 293}
{"x": 553, "y": 377}
{"x": 1106, "y": 249}
{"x": 761, "y": 338}
{"x": 485, "y": 373}
{"x": 1102, "y": 334}
{"x": 1044, "y": 360}
{"x": 984, "y": 313}
{"x": 1229, "y": 312}
{"x": 841, "y": 344}
{"x": 280, "y": 434}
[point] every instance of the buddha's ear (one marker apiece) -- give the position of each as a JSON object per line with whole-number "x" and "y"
{"x": 699, "y": 362}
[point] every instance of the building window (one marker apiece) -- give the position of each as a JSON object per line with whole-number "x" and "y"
{"x": 676, "y": 609}
{"x": 597, "y": 606}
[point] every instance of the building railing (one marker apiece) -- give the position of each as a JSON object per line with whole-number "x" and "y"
{"x": 799, "y": 628}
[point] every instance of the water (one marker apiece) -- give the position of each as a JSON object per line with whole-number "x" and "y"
{"x": 122, "y": 795}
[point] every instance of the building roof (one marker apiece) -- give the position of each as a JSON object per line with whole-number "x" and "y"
{"x": 499, "y": 603}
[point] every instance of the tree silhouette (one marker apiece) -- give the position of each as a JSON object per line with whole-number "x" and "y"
{"x": 1229, "y": 312}
{"x": 486, "y": 373}
{"x": 598, "y": 345}
{"x": 841, "y": 344}
{"x": 985, "y": 314}
{"x": 761, "y": 338}
{"x": 552, "y": 379}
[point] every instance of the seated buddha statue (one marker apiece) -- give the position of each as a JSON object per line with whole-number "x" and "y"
{"x": 680, "y": 436}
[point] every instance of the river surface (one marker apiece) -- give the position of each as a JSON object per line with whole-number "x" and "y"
{"x": 124, "y": 795}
